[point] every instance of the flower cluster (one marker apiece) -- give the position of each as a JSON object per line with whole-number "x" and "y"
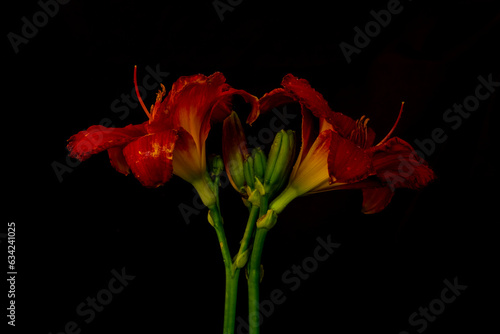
{"x": 336, "y": 152}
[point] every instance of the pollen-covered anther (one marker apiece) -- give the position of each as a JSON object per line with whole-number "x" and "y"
{"x": 159, "y": 97}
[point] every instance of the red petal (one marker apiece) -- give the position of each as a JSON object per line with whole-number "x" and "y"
{"x": 196, "y": 101}
{"x": 397, "y": 164}
{"x": 118, "y": 161}
{"x": 150, "y": 157}
{"x": 273, "y": 99}
{"x": 223, "y": 106}
{"x": 376, "y": 199}
{"x": 347, "y": 162}
{"x": 98, "y": 138}
{"x": 307, "y": 96}
{"x": 311, "y": 100}
{"x": 300, "y": 90}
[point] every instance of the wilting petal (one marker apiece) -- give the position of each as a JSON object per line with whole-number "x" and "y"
{"x": 376, "y": 199}
{"x": 150, "y": 157}
{"x": 397, "y": 164}
{"x": 98, "y": 138}
{"x": 347, "y": 162}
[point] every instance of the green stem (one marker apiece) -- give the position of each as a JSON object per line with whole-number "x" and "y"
{"x": 254, "y": 281}
{"x": 230, "y": 300}
{"x": 283, "y": 199}
{"x": 252, "y": 219}
{"x": 264, "y": 204}
{"x": 231, "y": 277}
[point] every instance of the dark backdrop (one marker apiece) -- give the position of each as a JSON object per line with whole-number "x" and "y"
{"x": 79, "y": 223}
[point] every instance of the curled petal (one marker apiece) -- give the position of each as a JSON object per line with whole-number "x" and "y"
{"x": 347, "y": 162}
{"x": 397, "y": 164}
{"x": 299, "y": 90}
{"x": 98, "y": 138}
{"x": 313, "y": 101}
{"x": 307, "y": 96}
{"x": 150, "y": 157}
{"x": 275, "y": 98}
{"x": 223, "y": 106}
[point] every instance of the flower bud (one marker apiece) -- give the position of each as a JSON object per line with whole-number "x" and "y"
{"x": 215, "y": 165}
{"x": 280, "y": 161}
{"x": 259, "y": 163}
{"x": 248, "y": 170}
{"x": 234, "y": 151}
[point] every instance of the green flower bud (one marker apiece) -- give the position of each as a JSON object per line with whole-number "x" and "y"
{"x": 259, "y": 163}
{"x": 279, "y": 163}
{"x": 234, "y": 151}
{"x": 248, "y": 170}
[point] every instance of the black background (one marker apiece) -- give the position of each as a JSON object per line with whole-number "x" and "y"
{"x": 72, "y": 234}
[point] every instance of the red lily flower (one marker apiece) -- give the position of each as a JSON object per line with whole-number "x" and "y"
{"x": 172, "y": 141}
{"x": 342, "y": 154}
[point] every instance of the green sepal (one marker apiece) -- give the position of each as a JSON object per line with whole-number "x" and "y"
{"x": 260, "y": 187}
{"x": 254, "y": 197}
{"x": 268, "y": 220}
{"x": 242, "y": 259}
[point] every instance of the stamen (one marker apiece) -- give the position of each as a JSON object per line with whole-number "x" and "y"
{"x": 138, "y": 94}
{"x": 393, "y": 127}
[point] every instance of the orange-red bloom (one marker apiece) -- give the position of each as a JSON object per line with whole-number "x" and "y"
{"x": 172, "y": 141}
{"x": 341, "y": 154}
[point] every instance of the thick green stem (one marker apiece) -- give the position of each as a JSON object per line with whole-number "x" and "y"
{"x": 231, "y": 276}
{"x": 254, "y": 274}
{"x": 264, "y": 204}
{"x": 230, "y": 300}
